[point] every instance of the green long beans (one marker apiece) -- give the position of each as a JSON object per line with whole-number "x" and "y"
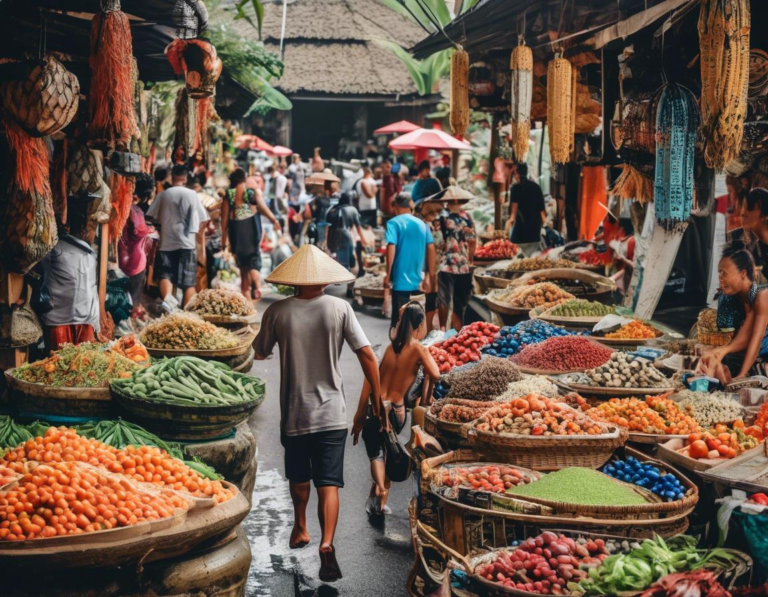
{"x": 190, "y": 381}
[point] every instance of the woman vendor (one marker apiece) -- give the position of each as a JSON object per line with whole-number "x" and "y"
{"x": 742, "y": 305}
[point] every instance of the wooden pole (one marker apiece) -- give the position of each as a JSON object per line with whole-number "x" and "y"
{"x": 103, "y": 262}
{"x": 493, "y": 153}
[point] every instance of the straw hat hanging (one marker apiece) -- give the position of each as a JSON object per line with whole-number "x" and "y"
{"x": 309, "y": 266}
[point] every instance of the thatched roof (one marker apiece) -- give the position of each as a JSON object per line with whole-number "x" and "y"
{"x": 330, "y": 47}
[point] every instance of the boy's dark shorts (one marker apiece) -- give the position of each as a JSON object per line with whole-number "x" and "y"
{"x": 316, "y": 457}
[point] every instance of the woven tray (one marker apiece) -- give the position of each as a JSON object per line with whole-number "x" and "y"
{"x": 505, "y": 309}
{"x": 447, "y": 433}
{"x": 547, "y": 372}
{"x": 42, "y": 399}
{"x": 246, "y": 335}
{"x": 241, "y": 319}
{"x": 584, "y": 389}
{"x": 377, "y": 293}
{"x": 604, "y": 285}
{"x": 575, "y": 322}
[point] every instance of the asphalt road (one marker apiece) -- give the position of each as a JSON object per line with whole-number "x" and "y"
{"x": 375, "y": 557}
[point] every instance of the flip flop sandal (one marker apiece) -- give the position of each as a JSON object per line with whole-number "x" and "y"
{"x": 329, "y": 567}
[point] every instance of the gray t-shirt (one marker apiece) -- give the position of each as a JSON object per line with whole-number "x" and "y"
{"x": 179, "y": 212}
{"x": 310, "y": 334}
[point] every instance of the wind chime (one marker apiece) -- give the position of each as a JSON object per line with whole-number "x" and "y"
{"x": 560, "y": 108}
{"x": 724, "y": 27}
{"x": 459, "y": 107}
{"x": 521, "y": 96}
{"x": 677, "y": 122}
{"x": 40, "y": 100}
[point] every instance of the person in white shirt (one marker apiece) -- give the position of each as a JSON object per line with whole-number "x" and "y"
{"x": 281, "y": 185}
{"x": 367, "y": 198}
{"x": 181, "y": 219}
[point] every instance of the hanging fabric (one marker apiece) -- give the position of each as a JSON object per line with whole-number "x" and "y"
{"x": 560, "y": 109}
{"x": 677, "y": 121}
{"x": 724, "y": 27}
{"x": 113, "y": 120}
{"x": 121, "y": 197}
{"x": 459, "y": 109}
{"x": 521, "y": 96}
{"x": 30, "y": 223}
{"x": 593, "y": 194}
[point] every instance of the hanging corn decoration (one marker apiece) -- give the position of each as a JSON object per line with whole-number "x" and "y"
{"x": 677, "y": 122}
{"x": 521, "y": 95}
{"x": 459, "y": 116}
{"x": 113, "y": 121}
{"x": 724, "y": 45}
{"x": 45, "y": 100}
{"x": 30, "y": 223}
{"x": 560, "y": 109}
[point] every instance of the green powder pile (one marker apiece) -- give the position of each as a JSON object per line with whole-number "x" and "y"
{"x": 581, "y": 486}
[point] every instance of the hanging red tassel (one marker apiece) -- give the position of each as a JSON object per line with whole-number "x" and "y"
{"x": 201, "y": 130}
{"x": 60, "y": 182}
{"x": 113, "y": 120}
{"x": 30, "y": 222}
{"x": 121, "y": 197}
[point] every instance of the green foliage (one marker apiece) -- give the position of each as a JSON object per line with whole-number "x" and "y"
{"x": 425, "y": 73}
{"x": 258, "y": 11}
{"x": 252, "y": 65}
{"x": 424, "y": 12}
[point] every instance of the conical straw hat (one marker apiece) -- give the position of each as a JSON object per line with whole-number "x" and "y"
{"x": 450, "y": 194}
{"x": 307, "y": 267}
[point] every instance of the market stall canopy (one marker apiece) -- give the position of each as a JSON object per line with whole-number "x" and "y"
{"x": 427, "y": 139}
{"x": 400, "y": 127}
{"x": 253, "y": 142}
{"x": 281, "y": 152}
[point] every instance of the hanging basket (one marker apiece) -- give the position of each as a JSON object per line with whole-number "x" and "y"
{"x": 125, "y": 163}
{"x": 84, "y": 172}
{"x": 197, "y": 60}
{"x": 44, "y": 100}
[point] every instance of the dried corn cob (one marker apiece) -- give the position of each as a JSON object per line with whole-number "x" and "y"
{"x": 560, "y": 109}
{"x": 521, "y": 94}
{"x": 724, "y": 27}
{"x": 459, "y": 92}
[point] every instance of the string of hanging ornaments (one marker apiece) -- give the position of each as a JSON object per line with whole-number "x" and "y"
{"x": 521, "y": 97}
{"x": 724, "y": 27}
{"x": 560, "y": 116}
{"x": 677, "y": 122}
{"x": 459, "y": 108}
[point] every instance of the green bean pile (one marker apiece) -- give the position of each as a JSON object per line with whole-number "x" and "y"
{"x": 190, "y": 381}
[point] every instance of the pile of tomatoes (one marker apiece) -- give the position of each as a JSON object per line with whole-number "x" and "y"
{"x": 464, "y": 347}
{"x": 492, "y": 478}
{"x": 500, "y": 248}
{"x": 720, "y": 442}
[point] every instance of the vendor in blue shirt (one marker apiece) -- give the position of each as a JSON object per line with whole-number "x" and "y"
{"x": 425, "y": 186}
{"x": 409, "y": 245}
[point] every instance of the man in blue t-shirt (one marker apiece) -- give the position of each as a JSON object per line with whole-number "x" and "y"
{"x": 409, "y": 244}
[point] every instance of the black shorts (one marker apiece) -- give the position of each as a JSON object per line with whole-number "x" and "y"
{"x": 369, "y": 217}
{"x": 399, "y": 298}
{"x": 456, "y": 288}
{"x": 318, "y": 457}
{"x": 179, "y": 266}
{"x": 248, "y": 262}
{"x": 431, "y": 302}
{"x": 373, "y": 438}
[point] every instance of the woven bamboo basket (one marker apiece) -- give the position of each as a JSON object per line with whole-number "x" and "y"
{"x": 601, "y": 392}
{"x": 448, "y": 434}
{"x": 715, "y": 338}
{"x": 488, "y": 283}
{"x": 547, "y": 453}
{"x": 567, "y": 322}
{"x": 604, "y": 287}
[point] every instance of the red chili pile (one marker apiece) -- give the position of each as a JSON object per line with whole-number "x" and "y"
{"x": 464, "y": 347}
{"x": 592, "y": 257}
{"x": 497, "y": 249}
{"x": 563, "y": 353}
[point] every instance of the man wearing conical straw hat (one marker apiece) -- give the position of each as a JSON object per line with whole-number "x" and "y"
{"x": 310, "y": 329}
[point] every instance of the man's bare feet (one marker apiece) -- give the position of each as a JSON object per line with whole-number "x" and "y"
{"x": 299, "y": 538}
{"x": 329, "y": 567}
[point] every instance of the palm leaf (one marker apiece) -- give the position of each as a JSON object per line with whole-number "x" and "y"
{"x": 258, "y": 10}
{"x": 415, "y": 67}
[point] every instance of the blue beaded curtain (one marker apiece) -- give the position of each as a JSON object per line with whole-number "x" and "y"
{"x": 677, "y": 122}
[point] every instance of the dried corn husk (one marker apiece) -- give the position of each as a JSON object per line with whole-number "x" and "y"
{"x": 459, "y": 115}
{"x": 521, "y": 94}
{"x": 84, "y": 171}
{"x": 724, "y": 27}
{"x": 29, "y": 218}
{"x": 45, "y": 101}
{"x": 197, "y": 60}
{"x": 633, "y": 184}
{"x": 560, "y": 109}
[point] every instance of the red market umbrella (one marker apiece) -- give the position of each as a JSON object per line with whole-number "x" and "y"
{"x": 253, "y": 142}
{"x": 397, "y": 127}
{"x": 281, "y": 152}
{"x": 427, "y": 139}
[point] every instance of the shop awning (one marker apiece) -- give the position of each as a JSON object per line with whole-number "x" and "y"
{"x": 403, "y": 126}
{"x": 427, "y": 139}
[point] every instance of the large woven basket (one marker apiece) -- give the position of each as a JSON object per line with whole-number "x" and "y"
{"x": 448, "y": 434}
{"x": 547, "y": 453}
{"x": 715, "y": 338}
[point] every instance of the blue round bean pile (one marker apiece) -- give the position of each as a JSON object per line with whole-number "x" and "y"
{"x": 646, "y": 475}
{"x": 512, "y": 339}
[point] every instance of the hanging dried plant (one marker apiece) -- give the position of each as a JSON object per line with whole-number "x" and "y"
{"x": 724, "y": 27}
{"x": 560, "y": 109}
{"x": 459, "y": 115}
{"x": 521, "y": 94}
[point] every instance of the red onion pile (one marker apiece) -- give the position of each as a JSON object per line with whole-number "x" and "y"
{"x": 563, "y": 353}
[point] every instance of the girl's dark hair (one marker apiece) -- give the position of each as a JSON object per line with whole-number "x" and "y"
{"x": 237, "y": 177}
{"x": 410, "y": 319}
{"x": 742, "y": 259}
{"x": 758, "y": 198}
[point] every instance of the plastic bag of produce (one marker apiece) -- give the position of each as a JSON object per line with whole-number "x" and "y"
{"x": 611, "y": 323}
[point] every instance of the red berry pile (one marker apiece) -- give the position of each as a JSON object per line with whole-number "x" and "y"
{"x": 464, "y": 347}
{"x": 545, "y": 564}
{"x": 497, "y": 249}
{"x": 593, "y": 257}
{"x": 563, "y": 353}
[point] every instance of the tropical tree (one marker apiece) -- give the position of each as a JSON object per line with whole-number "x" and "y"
{"x": 432, "y": 16}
